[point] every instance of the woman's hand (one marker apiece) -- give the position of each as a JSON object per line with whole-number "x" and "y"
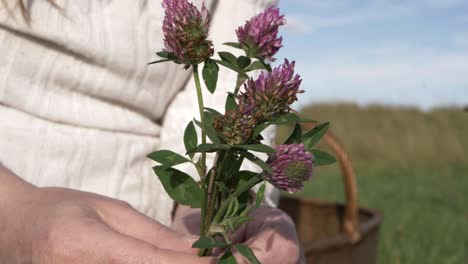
{"x": 57, "y": 225}
{"x": 271, "y": 234}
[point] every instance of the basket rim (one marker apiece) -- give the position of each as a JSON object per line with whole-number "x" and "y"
{"x": 342, "y": 239}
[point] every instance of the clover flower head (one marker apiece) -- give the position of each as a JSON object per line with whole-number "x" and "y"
{"x": 235, "y": 127}
{"x": 259, "y": 36}
{"x": 292, "y": 165}
{"x": 272, "y": 93}
{"x": 185, "y": 31}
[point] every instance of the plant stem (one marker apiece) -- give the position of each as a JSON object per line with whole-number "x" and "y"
{"x": 226, "y": 238}
{"x": 210, "y": 199}
{"x": 202, "y": 170}
{"x": 201, "y": 108}
{"x": 208, "y": 204}
{"x": 251, "y": 183}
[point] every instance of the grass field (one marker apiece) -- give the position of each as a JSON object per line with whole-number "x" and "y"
{"x": 412, "y": 167}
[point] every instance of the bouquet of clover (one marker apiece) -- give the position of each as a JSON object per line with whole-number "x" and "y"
{"x": 235, "y": 136}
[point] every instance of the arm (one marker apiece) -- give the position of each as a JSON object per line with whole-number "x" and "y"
{"x": 14, "y": 193}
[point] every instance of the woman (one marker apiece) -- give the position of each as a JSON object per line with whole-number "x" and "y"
{"x": 79, "y": 111}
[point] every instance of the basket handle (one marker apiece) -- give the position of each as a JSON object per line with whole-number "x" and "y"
{"x": 351, "y": 221}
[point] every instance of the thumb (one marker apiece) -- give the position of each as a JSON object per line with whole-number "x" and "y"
{"x": 110, "y": 246}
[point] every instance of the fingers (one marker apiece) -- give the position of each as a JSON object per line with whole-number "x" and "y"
{"x": 126, "y": 220}
{"x": 134, "y": 251}
{"x": 110, "y": 246}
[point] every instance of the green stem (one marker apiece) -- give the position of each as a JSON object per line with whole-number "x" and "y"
{"x": 202, "y": 170}
{"x": 226, "y": 238}
{"x": 201, "y": 108}
{"x": 250, "y": 183}
{"x": 210, "y": 199}
{"x": 208, "y": 204}
{"x": 203, "y": 214}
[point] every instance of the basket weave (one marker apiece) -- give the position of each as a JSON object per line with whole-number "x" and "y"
{"x": 331, "y": 232}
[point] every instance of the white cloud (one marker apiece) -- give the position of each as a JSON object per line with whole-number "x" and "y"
{"x": 296, "y": 25}
{"x": 397, "y": 74}
{"x": 401, "y": 65}
{"x": 394, "y": 73}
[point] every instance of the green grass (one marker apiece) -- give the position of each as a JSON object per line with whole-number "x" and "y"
{"x": 401, "y": 137}
{"x": 413, "y": 168}
{"x": 425, "y": 211}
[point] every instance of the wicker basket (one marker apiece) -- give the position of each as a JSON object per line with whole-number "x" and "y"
{"x": 336, "y": 233}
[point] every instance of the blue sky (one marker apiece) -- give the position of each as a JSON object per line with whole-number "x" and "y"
{"x": 379, "y": 51}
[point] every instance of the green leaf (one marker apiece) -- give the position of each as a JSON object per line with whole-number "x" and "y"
{"x": 229, "y": 65}
{"x": 256, "y": 147}
{"x": 233, "y": 44}
{"x": 247, "y": 253}
{"x": 180, "y": 186}
{"x": 313, "y": 136}
{"x": 258, "y": 162}
{"x": 231, "y": 165}
{"x": 190, "y": 138}
{"x": 241, "y": 78}
{"x": 260, "y": 195}
{"x": 243, "y": 62}
{"x": 198, "y": 123}
{"x": 222, "y": 186}
{"x": 244, "y": 202}
{"x": 213, "y": 111}
{"x": 244, "y": 176}
{"x": 296, "y": 135}
{"x": 256, "y": 65}
{"x": 227, "y": 258}
{"x": 267, "y": 66}
{"x": 243, "y": 181}
{"x": 228, "y": 57}
{"x": 209, "y": 129}
{"x": 234, "y": 222}
{"x": 284, "y": 119}
{"x": 163, "y": 54}
{"x": 209, "y": 148}
{"x": 322, "y": 158}
{"x": 167, "y": 158}
{"x": 210, "y": 75}
{"x": 166, "y": 55}
{"x": 158, "y": 61}
{"x": 259, "y": 128}
{"x": 245, "y": 212}
{"x": 232, "y": 67}
{"x": 307, "y": 120}
{"x": 231, "y": 103}
{"x": 232, "y": 209}
{"x": 208, "y": 242}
